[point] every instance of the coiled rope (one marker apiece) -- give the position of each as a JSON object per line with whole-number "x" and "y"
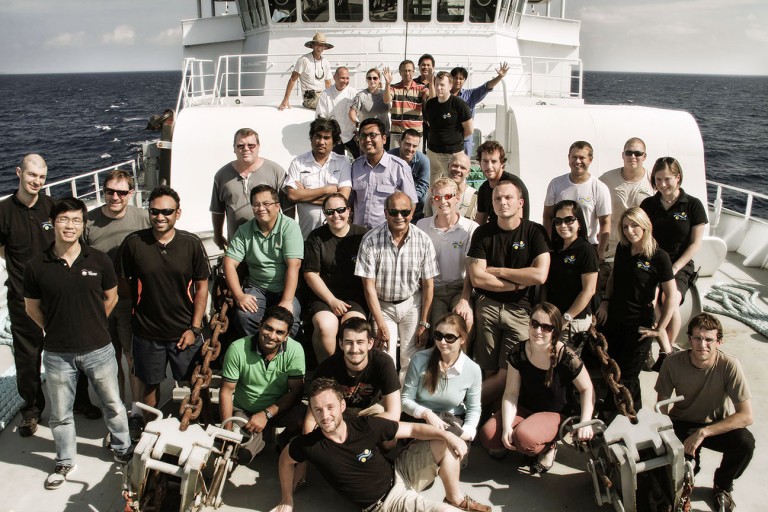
{"x": 741, "y": 302}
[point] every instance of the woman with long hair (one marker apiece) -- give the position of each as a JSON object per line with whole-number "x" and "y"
{"x": 540, "y": 372}
{"x": 679, "y": 221}
{"x": 330, "y": 252}
{"x": 444, "y": 380}
{"x": 572, "y": 279}
{"x": 369, "y": 102}
{"x": 626, "y": 312}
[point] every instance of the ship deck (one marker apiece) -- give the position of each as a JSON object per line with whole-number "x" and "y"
{"x": 97, "y": 483}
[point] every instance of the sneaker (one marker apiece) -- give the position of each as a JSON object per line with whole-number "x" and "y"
{"x": 124, "y": 458}
{"x": 28, "y": 427}
{"x": 59, "y": 476}
{"x": 724, "y": 501}
{"x": 88, "y": 410}
{"x": 469, "y": 504}
{"x": 135, "y": 427}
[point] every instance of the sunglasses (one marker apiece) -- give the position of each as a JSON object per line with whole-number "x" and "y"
{"x": 395, "y": 213}
{"x": 164, "y": 211}
{"x": 447, "y": 197}
{"x": 339, "y": 210}
{"x": 241, "y": 147}
{"x": 547, "y": 328}
{"x": 564, "y": 220}
{"x": 371, "y": 78}
{"x": 449, "y": 338}
{"x": 120, "y": 193}
{"x": 636, "y": 154}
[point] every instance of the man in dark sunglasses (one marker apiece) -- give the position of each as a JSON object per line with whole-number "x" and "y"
{"x": 165, "y": 270}
{"x": 233, "y": 183}
{"x": 397, "y": 263}
{"x": 105, "y": 230}
{"x": 628, "y": 185}
{"x": 317, "y": 174}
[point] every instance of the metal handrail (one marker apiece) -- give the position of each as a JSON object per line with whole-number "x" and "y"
{"x": 717, "y": 204}
{"x": 93, "y": 188}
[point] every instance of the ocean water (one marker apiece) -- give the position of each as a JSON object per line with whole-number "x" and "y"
{"x": 82, "y": 122}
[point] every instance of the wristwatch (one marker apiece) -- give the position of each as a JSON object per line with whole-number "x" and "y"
{"x": 567, "y": 317}
{"x": 268, "y": 414}
{"x": 195, "y": 330}
{"x": 424, "y": 324}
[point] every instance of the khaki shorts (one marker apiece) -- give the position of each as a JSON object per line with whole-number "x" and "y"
{"x": 415, "y": 469}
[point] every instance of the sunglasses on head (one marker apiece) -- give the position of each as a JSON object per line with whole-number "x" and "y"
{"x": 120, "y": 193}
{"x": 395, "y": 213}
{"x": 449, "y": 338}
{"x": 636, "y": 154}
{"x": 564, "y": 220}
{"x": 165, "y": 211}
{"x": 339, "y": 210}
{"x": 547, "y": 328}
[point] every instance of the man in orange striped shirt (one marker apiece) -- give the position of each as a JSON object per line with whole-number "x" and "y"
{"x": 408, "y": 99}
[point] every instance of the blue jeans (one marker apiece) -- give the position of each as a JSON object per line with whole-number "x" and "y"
{"x": 100, "y": 366}
{"x": 265, "y": 300}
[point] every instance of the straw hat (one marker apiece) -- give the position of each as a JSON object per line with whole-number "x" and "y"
{"x": 319, "y": 38}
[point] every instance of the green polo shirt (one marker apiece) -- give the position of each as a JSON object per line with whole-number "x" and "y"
{"x": 260, "y": 383}
{"x": 266, "y": 255}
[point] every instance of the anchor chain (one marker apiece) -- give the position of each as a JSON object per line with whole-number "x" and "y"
{"x": 612, "y": 375}
{"x": 192, "y": 405}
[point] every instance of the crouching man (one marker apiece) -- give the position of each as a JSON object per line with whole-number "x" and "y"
{"x": 717, "y": 407}
{"x": 69, "y": 291}
{"x": 346, "y": 451}
{"x": 263, "y": 382}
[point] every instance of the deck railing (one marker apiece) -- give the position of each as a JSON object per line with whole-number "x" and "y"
{"x": 748, "y": 214}
{"x": 240, "y": 76}
{"x": 86, "y": 186}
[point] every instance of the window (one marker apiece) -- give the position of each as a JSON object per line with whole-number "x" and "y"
{"x": 349, "y": 10}
{"x": 383, "y": 10}
{"x": 282, "y": 11}
{"x": 417, "y": 10}
{"x": 314, "y": 10}
{"x": 482, "y": 11}
{"x": 450, "y": 11}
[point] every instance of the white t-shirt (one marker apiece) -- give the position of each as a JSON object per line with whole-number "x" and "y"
{"x": 451, "y": 248}
{"x": 624, "y": 194}
{"x": 593, "y": 196}
{"x": 304, "y": 169}
{"x": 334, "y": 104}
{"x": 313, "y": 73}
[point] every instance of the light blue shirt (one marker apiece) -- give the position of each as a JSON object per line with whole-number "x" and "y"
{"x": 371, "y": 185}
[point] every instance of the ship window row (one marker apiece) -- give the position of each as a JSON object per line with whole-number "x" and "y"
{"x": 379, "y": 11}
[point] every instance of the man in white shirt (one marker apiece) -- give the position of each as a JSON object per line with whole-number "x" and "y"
{"x": 312, "y": 72}
{"x": 592, "y": 195}
{"x": 334, "y": 104}
{"x": 316, "y": 174}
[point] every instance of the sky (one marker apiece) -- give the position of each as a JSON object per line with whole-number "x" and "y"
{"x": 670, "y": 36}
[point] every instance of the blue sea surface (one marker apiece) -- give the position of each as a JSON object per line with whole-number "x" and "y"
{"x": 83, "y": 122}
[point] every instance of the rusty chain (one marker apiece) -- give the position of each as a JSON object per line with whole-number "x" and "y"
{"x": 612, "y": 375}
{"x": 192, "y": 405}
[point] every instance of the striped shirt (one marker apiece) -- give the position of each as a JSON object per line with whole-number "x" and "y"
{"x": 407, "y": 105}
{"x": 397, "y": 271}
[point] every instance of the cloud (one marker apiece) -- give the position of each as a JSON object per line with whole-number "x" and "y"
{"x": 167, "y": 37}
{"x": 123, "y": 35}
{"x": 67, "y": 39}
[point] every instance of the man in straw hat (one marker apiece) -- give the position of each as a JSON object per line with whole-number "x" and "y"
{"x": 313, "y": 73}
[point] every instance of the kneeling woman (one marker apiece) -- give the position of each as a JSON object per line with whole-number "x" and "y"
{"x": 539, "y": 373}
{"x": 444, "y": 380}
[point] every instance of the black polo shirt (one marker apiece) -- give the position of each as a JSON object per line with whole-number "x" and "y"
{"x": 565, "y": 271}
{"x": 25, "y": 233}
{"x": 672, "y": 228}
{"x": 485, "y": 196}
{"x": 635, "y": 282}
{"x": 509, "y": 249}
{"x": 446, "y": 131}
{"x": 72, "y": 298}
{"x": 162, "y": 277}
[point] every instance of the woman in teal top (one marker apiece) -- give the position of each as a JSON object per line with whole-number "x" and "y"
{"x": 444, "y": 380}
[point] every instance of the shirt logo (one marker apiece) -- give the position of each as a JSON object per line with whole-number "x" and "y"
{"x": 585, "y": 200}
{"x": 643, "y": 265}
{"x": 47, "y": 225}
{"x": 680, "y": 216}
{"x": 518, "y": 245}
{"x": 569, "y": 260}
{"x": 89, "y": 273}
{"x": 458, "y": 245}
{"x": 365, "y": 455}
{"x": 447, "y": 115}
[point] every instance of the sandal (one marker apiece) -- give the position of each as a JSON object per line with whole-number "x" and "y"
{"x": 544, "y": 461}
{"x": 469, "y": 504}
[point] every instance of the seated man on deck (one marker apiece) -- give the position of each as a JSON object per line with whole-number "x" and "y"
{"x": 313, "y": 73}
{"x": 263, "y": 382}
{"x": 717, "y": 407}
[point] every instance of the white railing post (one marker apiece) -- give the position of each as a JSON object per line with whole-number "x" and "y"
{"x": 97, "y": 188}
{"x": 718, "y": 205}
